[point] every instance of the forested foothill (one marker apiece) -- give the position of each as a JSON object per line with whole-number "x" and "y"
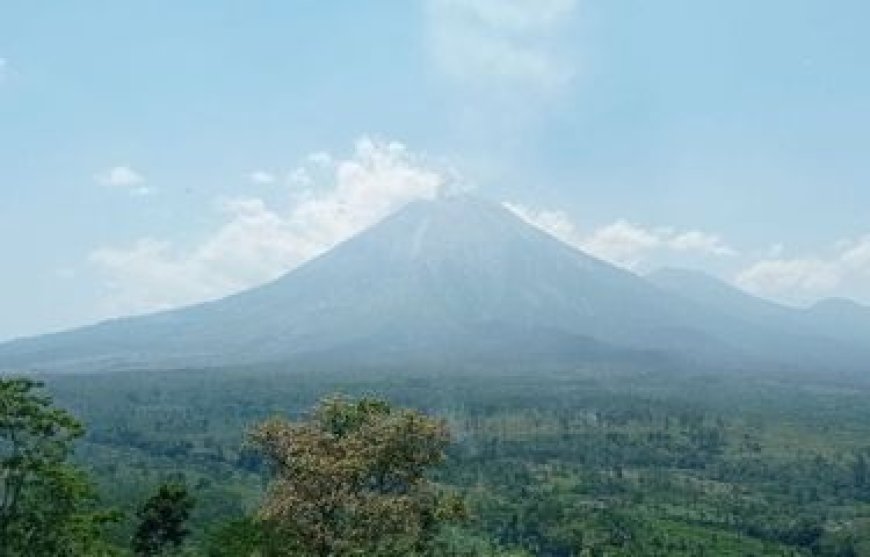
{"x": 590, "y": 461}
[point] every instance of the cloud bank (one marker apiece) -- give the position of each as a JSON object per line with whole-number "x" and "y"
{"x": 624, "y": 243}
{"x": 328, "y": 201}
{"x": 800, "y": 280}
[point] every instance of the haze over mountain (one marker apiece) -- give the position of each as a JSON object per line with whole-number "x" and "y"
{"x": 833, "y": 318}
{"x": 463, "y": 281}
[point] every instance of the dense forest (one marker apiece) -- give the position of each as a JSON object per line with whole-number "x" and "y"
{"x": 591, "y": 461}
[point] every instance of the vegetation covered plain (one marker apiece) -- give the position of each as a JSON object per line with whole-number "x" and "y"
{"x": 590, "y": 461}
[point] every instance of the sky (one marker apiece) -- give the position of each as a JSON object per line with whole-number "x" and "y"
{"x": 156, "y": 154}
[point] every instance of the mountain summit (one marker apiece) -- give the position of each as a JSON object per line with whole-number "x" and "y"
{"x": 457, "y": 279}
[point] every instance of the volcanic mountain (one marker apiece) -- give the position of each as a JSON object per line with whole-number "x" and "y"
{"x": 457, "y": 279}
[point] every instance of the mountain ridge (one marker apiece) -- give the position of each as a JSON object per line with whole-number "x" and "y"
{"x": 456, "y": 275}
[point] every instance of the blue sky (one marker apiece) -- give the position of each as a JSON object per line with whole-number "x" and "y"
{"x": 160, "y": 153}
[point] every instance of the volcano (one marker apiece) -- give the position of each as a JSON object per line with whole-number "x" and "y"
{"x": 456, "y": 280}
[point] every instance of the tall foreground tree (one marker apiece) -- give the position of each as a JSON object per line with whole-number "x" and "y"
{"x": 46, "y": 504}
{"x": 351, "y": 480}
{"x": 164, "y": 519}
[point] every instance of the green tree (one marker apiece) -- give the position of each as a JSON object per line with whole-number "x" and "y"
{"x": 351, "y": 480}
{"x": 244, "y": 537}
{"x": 163, "y": 521}
{"x": 46, "y": 504}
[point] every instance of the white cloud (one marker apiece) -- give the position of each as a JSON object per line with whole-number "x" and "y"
{"x": 4, "y": 65}
{"x": 258, "y": 242}
{"x": 300, "y": 178}
{"x": 790, "y": 277}
{"x": 124, "y": 177}
{"x": 121, "y": 176}
{"x": 556, "y": 223}
{"x": 623, "y": 243}
{"x": 695, "y": 240}
{"x": 499, "y": 40}
{"x": 775, "y": 251}
{"x": 855, "y": 255}
{"x": 261, "y": 177}
{"x": 844, "y": 271}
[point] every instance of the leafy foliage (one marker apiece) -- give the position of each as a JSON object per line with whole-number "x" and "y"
{"x": 350, "y": 480}
{"x": 46, "y": 504}
{"x": 163, "y": 520}
{"x": 591, "y": 461}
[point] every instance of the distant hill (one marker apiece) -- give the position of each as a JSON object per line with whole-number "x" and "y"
{"x": 844, "y": 324}
{"x": 457, "y": 280}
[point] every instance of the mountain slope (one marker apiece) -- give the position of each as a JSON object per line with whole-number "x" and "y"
{"x": 436, "y": 275}
{"x": 456, "y": 279}
{"x": 831, "y": 330}
{"x": 711, "y": 292}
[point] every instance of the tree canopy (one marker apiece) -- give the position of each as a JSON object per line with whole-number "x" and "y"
{"x": 350, "y": 479}
{"x": 163, "y": 520}
{"x": 46, "y": 504}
